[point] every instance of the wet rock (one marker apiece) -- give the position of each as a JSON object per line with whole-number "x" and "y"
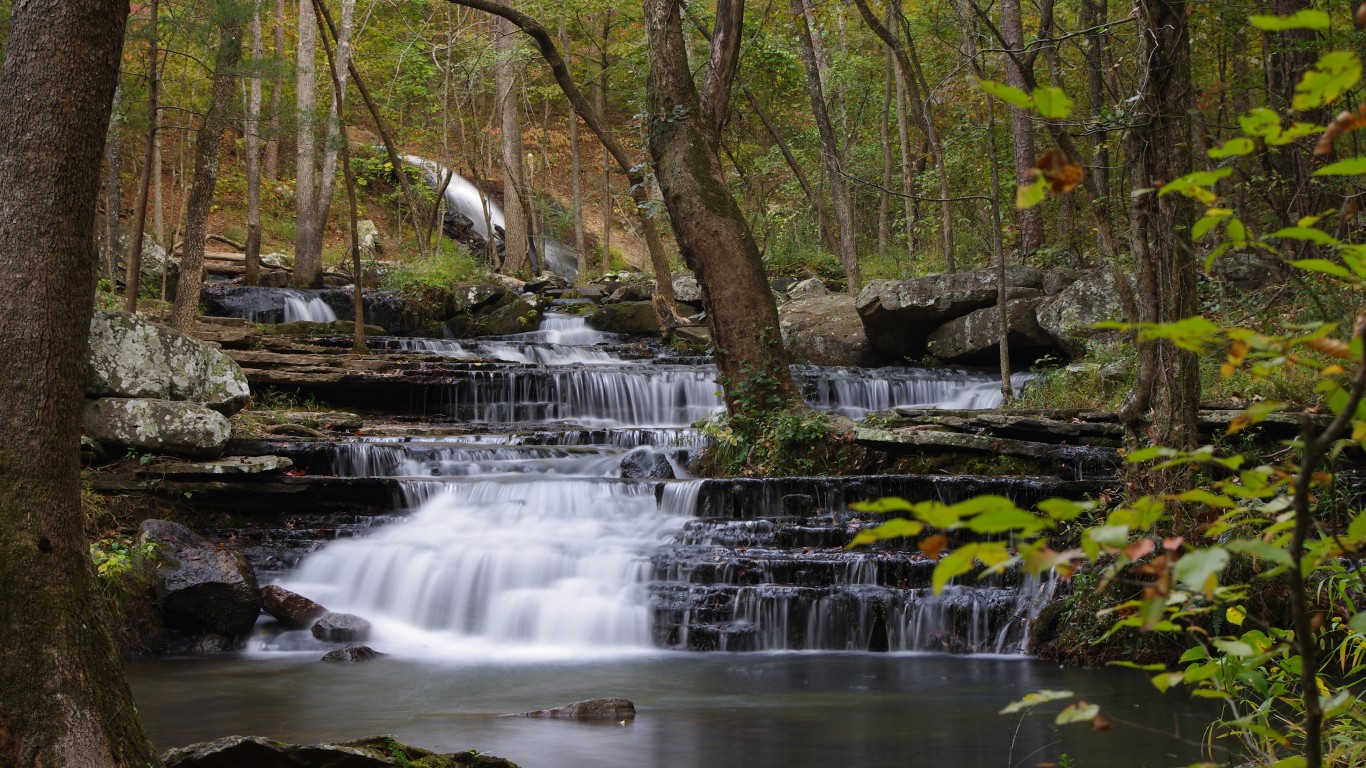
{"x": 635, "y": 318}
{"x": 235, "y": 465}
{"x": 637, "y": 291}
{"x": 613, "y": 708}
{"x": 799, "y": 505}
{"x": 547, "y": 283}
{"x": 292, "y": 610}
{"x": 825, "y": 329}
{"x": 274, "y": 278}
{"x": 377, "y": 752}
{"x": 521, "y": 315}
{"x": 644, "y": 462}
{"x": 691, "y": 340}
{"x": 899, "y": 315}
{"x": 210, "y": 645}
{"x": 159, "y": 426}
{"x": 809, "y": 288}
{"x": 353, "y": 654}
{"x": 1069, "y": 315}
{"x": 329, "y": 328}
{"x": 201, "y": 588}
{"x": 131, "y": 356}
{"x": 341, "y": 628}
{"x": 256, "y": 303}
{"x": 383, "y": 310}
{"x": 975, "y": 338}
{"x": 686, "y": 289}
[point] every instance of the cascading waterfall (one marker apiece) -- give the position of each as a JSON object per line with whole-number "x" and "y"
{"x": 304, "y": 306}
{"x": 588, "y": 538}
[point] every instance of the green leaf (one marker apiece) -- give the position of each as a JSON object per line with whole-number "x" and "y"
{"x": 1308, "y": 234}
{"x": 1232, "y": 148}
{"x": 1009, "y": 94}
{"x": 1356, "y": 530}
{"x": 1034, "y": 699}
{"x": 1261, "y": 549}
{"x": 1349, "y": 167}
{"x": 1200, "y": 569}
{"x": 1080, "y": 712}
{"x": 1003, "y": 520}
{"x": 1297, "y": 130}
{"x": 1305, "y": 19}
{"x": 1065, "y": 509}
{"x": 883, "y": 505}
{"x": 1297, "y": 761}
{"x": 1195, "y": 184}
{"x": 1233, "y": 647}
{"x": 1236, "y": 231}
{"x": 956, "y": 563}
{"x": 1324, "y": 266}
{"x": 1204, "y": 225}
{"x": 1332, "y": 75}
{"x": 1358, "y": 623}
{"x": 1261, "y": 123}
{"x": 892, "y": 529}
{"x": 1031, "y": 194}
{"x": 1052, "y": 102}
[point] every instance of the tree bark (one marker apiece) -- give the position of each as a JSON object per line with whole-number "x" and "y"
{"x": 251, "y": 128}
{"x": 908, "y": 201}
{"x": 217, "y": 119}
{"x": 606, "y": 154}
{"x": 113, "y": 187}
{"x": 133, "y": 279}
{"x": 576, "y": 164}
{"x": 64, "y": 700}
{"x": 1162, "y": 410}
{"x": 515, "y": 255}
{"x": 277, "y": 92}
{"x": 307, "y": 256}
{"x": 830, "y": 149}
{"x": 311, "y": 256}
{"x": 884, "y": 200}
{"x": 1021, "y": 132}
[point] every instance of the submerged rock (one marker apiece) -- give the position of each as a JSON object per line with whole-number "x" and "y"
{"x": 341, "y": 628}
{"x": 161, "y": 426}
{"x": 377, "y": 752}
{"x": 201, "y": 588}
{"x": 353, "y": 654}
{"x": 131, "y": 356}
{"x": 291, "y": 609}
{"x": 612, "y": 708}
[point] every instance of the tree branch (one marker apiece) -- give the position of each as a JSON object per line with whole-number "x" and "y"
{"x": 725, "y": 60}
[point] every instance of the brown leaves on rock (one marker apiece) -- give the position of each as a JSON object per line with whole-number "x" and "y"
{"x": 1345, "y": 122}
{"x": 1062, "y": 174}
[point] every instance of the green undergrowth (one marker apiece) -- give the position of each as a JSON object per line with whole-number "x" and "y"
{"x": 781, "y": 443}
{"x": 451, "y": 263}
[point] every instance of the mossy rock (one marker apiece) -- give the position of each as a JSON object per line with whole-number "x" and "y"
{"x": 631, "y": 318}
{"x": 376, "y": 752}
{"x": 330, "y": 328}
{"x": 519, "y": 316}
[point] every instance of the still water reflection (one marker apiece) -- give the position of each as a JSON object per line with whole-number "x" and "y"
{"x": 695, "y": 711}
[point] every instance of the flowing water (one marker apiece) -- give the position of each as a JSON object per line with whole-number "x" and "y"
{"x": 531, "y": 566}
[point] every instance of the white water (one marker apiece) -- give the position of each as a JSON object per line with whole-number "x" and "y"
{"x": 461, "y": 195}
{"x": 301, "y": 305}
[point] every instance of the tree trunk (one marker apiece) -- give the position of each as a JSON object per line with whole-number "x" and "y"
{"x": 64, "y": 700}
{"x": 576, "y": 164}
{"x": 1162, "y": 410}
{"x": 133, "y": 279}
{"x": 998, "y": 254}
{"x": 327, "y": 176}
{"x": 277, "y": 92}
{"x": 307, "y": 256}
{"x": 908, "y": 201}
{"x": 217, "y": 119}
{"x": 1021, "y": 133}
{"x": 113, "y": 187}
{"x": 251, "y": 127}
{"x": 830, "y": 153}
{"x": 884, "y": 199}
{"x": 606, "y": 155}
{"x": 158, "y": 202}
{"x": 515, "y": 255}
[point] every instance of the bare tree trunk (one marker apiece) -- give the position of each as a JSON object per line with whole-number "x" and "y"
{"x": 908, "y": 201}
{"x": 515, "y": 255}
{"x": 277, "y": 92}
{"x": 217, "y": 119}
{"x": 606, "y": 155}
{"x": 251, "y": 127}
{"x": 158, "y": 202}
{"x": 576, "y": 164}
{"x": 113, "y": 187}
{"x": 999, "y": 255}
{"x": 830, "y": 152}
{"x": 1022, "y": 134}
{"x": 64, "y": 700}
{"x": 133, "y": 279}
{"x": 307, "y": 256}
{"x": 327, "y": 179}
{"x": 884, "y": 200}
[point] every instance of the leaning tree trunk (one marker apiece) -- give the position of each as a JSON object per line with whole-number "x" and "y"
{"x": 63, "y": 697}
{"x": 1163, "y": 408}
{"x": 515, "y": 254}
{"x": 206, "y": 152}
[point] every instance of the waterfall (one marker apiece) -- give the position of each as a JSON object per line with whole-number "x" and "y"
{"x": 309, "y": 306}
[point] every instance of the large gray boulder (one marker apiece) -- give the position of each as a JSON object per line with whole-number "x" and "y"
{"x": 825, "y": 329}
{"x": 201, "y": 588}
{"x": 1069, "y": 315}
{"x": 633, "y": 318}
{"x": 157, "y": 426}
{"x": 341, "y": 628}
{"x": 131, "y": 356}
{"x": 975, "y": 338}
{"x": 899, "y": 315}
{"x": 686, "y": 289}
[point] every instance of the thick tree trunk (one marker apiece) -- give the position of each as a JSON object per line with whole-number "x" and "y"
{"x": 64, "y": 701}
{"x": 251, "y": 128}
{"x": 1162, "y": 410}
{"x": 217, "y": 119}
{"x": 307, "y": 255}
{"x": 277, "y": 92}
{"x": 133, "y": 279}
{"x": 1021, "y": 133}
{"x": 113, "y": 187}
{"x": 515, "y": 254}
{"x": 830, "y": 148}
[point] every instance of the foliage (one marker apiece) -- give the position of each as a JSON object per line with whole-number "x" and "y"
{"x": 452, "y": 263}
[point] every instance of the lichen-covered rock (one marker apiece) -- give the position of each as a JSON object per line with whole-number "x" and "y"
{"x": 1069, "y": 315}
{"x": 899, "y": 315}
{"x": 612, "y": 708}
{"x": 291, "y": 609}
{"x": 367, "y": 235}
{"x": 377, "y": 752}
{"x": 131, "y": 356}
{"x": 352, "y": 654}
{"x": 158, "y": 426}
{"x": 687, "y": 289}
{"x": 811, "y": 287}
{"x": 634, "y": 318}
{"x": 976, "y": 337}
{"x": 202, "y": 589}
{"x": 628, "y": 292}
{"x": 466, "y": 298}
{"x": 1058, "y": 278}
{"x": 341, "y": 628}
{"x": 825, "y": 329}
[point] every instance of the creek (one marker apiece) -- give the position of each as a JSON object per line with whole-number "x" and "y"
{"x": 552, "y": 548}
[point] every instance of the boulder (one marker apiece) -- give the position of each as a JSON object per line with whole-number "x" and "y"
{"x": 522, "y": 314}
{"x": 548, "y": 283}
{"x": 274, "y": 278}
{"x": 352, "y": 654}
{"x": 131, "y": 356}
{"x": 975, "y": 338}
{"x": 1069, "y": 315}
{"x": 210, "y": 645}
{"x": 613, "y": 708}
{"x": 368, "y": 236}
{"x": 825, "y": 329}
{"x": 382, "y": 309}
{"x": 645, "y": 462}
{"x": 691, "y": 340}
{"x": 466, "y": 298}
{"x": 159, "y": 426}
{"x": 201, "y": 588}
{"x": 636, "y": 318}
{"x": 809, "y": 288}
{"x": 636, "y": 291}
{"x": 899, "y": 315}
{"x": 378, "y": 752}
{"x": 341, "y": 628}
{"x": 1058, "y": 278}
{"x": 687, "y": 289}
{"x": 292, "y": 610}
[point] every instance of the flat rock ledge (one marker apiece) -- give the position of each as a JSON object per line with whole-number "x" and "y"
{"x": 376, "y": 752}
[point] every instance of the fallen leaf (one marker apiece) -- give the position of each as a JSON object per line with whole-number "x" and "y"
{"x": 1061, "y": 173}
{"x": 934, "y": 545}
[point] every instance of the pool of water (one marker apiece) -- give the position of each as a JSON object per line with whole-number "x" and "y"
{"x": 789, "y": 710}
